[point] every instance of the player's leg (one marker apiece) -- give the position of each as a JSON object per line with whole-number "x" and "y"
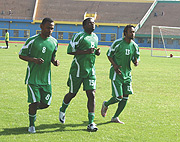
{"x": 117, "y": 93}
{"x": 74, "y": 84}
{"x": 7, "y": 46}
{"x": 91, "y": 104}
{"x": 127, "y": 89}
{"x": 40, "y": 98}
{"x": 121, "y": 105}
{"x": 41, "y": 105}
{"x": 32, "y": 113}
{"x": 33, "y": 107}
{"x": 66, "y": 101}
{"x": 91, "y": 110}
{"x": 33, "y": 98}
{"x": 46, "y": 97}
{"x": 89, "y": 85}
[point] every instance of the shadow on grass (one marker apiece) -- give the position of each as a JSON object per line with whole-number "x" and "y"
{"x": 104, "y": 123}
{"x": 45, "y": 128}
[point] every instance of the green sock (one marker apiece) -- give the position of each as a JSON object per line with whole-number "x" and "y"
{"x": 64, "y": 106}
{"x": 32, "y": 119}
{"x": 121, "y": 106}
{"x": 111, "y": 101}
{"x": 91, "y": 117}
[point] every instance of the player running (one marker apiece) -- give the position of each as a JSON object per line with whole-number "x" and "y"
{"x": 120, "y": 55}
{"x": 39, "y": 51}
{"x": 84, "y": 48}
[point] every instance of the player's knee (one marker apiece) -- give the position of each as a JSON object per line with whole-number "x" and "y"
{"x": 43, "y": 106}
{"x": 33, "y": 108}
{"x": 33, "y": 105}
{"x": 91, "y": 94}
{"x": 125, "y": 98}
{"x": 92, "y": 97}
{"x": 46, "y": 106}
{"x": 72, "y": 95}
{"x": 119, "y": 98}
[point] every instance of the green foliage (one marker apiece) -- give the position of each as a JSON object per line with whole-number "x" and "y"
{"x": 152, "y": 113}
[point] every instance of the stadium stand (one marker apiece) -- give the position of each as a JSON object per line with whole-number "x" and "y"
{"x": 164, "y": 14}
{"x": 111, "y": 17}
{"x": 107, "y": 12}
{"x": 13, "y": 9}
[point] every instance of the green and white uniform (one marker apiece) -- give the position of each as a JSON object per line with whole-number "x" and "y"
{"x": 39, "y": 75}
{"x": 122, "y": 53}
{"x": 83, "y": 66}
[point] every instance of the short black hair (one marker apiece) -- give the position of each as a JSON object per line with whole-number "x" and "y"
{"x": 86, "y": 20}
{"x": 126, "y": 28}
{"x": 46, "y": 20}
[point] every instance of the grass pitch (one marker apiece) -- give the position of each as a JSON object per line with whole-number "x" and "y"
{"x": 151, "y": 115}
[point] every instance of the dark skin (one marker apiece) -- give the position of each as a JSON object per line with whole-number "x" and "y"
{"x": 46, "y": 31}
{"x": 88, "y": 28}
{"x": 129, "y": 35}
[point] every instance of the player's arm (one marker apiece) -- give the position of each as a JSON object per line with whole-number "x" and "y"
{"x": 88, "y": 51}
{"x": 55, "y": 62}
{"x": 115, "y": 66}
{"x": 81, "y": 52}
{"x": 136, "y": 57}
{"x": 23, "y": 54}
{"x": 31, "y": 59}
{"x": 110, "y": 54}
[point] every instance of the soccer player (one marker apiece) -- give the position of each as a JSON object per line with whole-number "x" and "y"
{"x": 120, "y": 55}
{"x": 7, "y": 38}
{"x": 84, "y": 48}
{"x": 39, "y": 51}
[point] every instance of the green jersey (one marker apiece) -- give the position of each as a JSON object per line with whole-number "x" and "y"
{"x": 83, "y": 65}
{"x": 36, "y": 46}
{"x": 123, "y": 53}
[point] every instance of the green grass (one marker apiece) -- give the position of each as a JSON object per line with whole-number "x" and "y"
{"x": 151, "y": 115}
{"x": 167, "y": 52}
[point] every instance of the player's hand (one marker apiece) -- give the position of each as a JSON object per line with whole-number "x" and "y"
{"x": 136, "y": 62}
{"x": 38, "y": 60}
{"x": 116, "y": 68}
{"x": 90, "y": 50}
{"x": 98, "y": 52}
{"x": 56, "y": 63}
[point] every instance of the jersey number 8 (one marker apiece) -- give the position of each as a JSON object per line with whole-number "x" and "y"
{"x": 43, "y": 49}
